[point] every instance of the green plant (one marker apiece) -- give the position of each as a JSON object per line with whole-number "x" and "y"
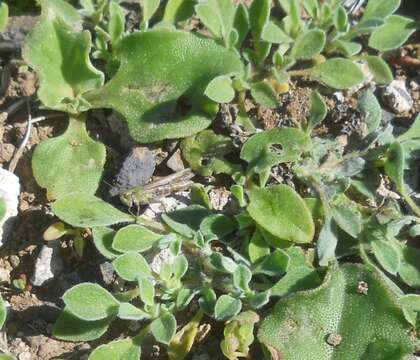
{"x": 280, "y": 240}
{"x": 4, "y": 15}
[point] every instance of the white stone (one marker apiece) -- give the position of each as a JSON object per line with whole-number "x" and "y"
{"x": 397, "y": 96}
{"x": 9, "y": 192}
{"x": 48, "y": 264}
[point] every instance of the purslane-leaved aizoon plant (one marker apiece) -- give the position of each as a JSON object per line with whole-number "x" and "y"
{"x": 278, "y": 243}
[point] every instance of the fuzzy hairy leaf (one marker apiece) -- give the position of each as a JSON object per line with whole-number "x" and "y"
{"x": 103, "y": 238}
{"x": 127, "y": 311}
{"x": 282, "y": 212}
{"x": 3, "y": 312}
{"x": 371, "y": 109}
{"x": 164, "y": 328}
{"x": 395, "y": 32}
{"x": 90, "y": 302}
{"x": 308, "y": 44}
{"x": 72, "y": 162}
{"x": 178, "y": 10}
{"x": 387, "y": 255}
{"x": 131, "y": 266}
{"x": 337, "y": 73}
{"x": 70, "y": 328}
{"x": 206, "y": 151}
{"x": 85, "y": 210}
{"x": 308, "y": 324}
{"x": 264, "y": 94}
{"x": 117, "y": 350}
{"x": 380, "y": 70}
{"x": 170, "y": 68}
{"x": 259, "y": 14}
{"x": 4, "y": 16}
{"x": 273, "y": 147}
{"x": 58, "y": 50}
{"x": 226, "y": 307}
{"x": 134, "y": 238}
{"x": 220, "y": 89}
{"x": 380, "y": 9}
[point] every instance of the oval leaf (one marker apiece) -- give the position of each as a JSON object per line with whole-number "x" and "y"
{"x": 308, "y": 44}
{"x": 90, "y": 302}
{"x": 117, "y": 350}
{"x": 131, "y": 266}
{"x": 134, "y": 238}
{"x": 283, "y": 213}
{"x": 84, "y": 210}
{"x": 164, "y": 328}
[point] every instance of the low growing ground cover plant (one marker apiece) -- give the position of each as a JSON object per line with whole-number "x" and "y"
{"x": 333, "y": 256}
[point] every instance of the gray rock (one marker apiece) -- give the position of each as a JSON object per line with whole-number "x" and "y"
{"x": 9, "y": 192}
{"x": 107, "y": 271}
{"x": 4, "y": 275}
{"x": 48, "y": 264}
{"x": 397, "y": 97}
{"x": 136, "y": 170}
{"x": 175, "y": 162}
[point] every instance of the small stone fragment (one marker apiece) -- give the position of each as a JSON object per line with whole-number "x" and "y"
{"x": 334, "y": 339}
{"x": 136, "y": 170}
{"x": 9, "y": 192}
{"x": 362, "y": 287}
{"x": 107, "y": 271}
{"x": 48, "y": 264}
{"x": 175, "y": 162}
{"x": 163, "y": 257}
{"x": 397, "y": 97}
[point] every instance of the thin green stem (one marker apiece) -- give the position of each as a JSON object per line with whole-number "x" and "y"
{"x": 411, "y": 203}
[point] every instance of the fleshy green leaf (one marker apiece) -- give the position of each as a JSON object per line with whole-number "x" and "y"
{"x": 4, "y": 16}
{"x": 258, "y": 247}
{"x": 102, "y": 238}
{"x": 226, "y": 307}
{"x": 178, "y": 10}
{"x": 171, "y": 68}
{"x": 220, "y": 89}
{"x": 387, "y": 255}
{"x": 3, "y": 312}
{"x": 283, "y": 213}
{"x": 274, "y": 264}
{"x": 239, "y": 335}
{"x": 241, "y": 277}
{"x": 395, "y": 164}
{"x": 370, "y": 107}
{"x": 149, "y": 8}
{"x": 117, "y": 350}
{"x": 3, "y": 209}
{"x": 206, "y": 151}
{"x": 320, "y": 324}
{"x": 264, "y": 94}
{"x": 84, "y": 210}
{"x": 274, "y": 34}
{"x": 395, "y": 32}
{"x": 318, "y": 111}
{"x": 164, "y": 328}
{"x": 308, "y": 44}
{"x": 58, "y": 50}
{"x": 134, "y": 238}
{"x": 116, "y": 22}
{"x": 337, "y": 73}
{"x": 127, "y": 311}
{"x": 380, "y": 70}
{"x": 409, "y": 270}
{"x": 380, "y": 9}
{"x": 327, "y": 241}
{"x": 90, "y": 302}
{"x": 259, "y": 14}
{"x": 69, "y": 163}
{"x": 272, "y": 147}
{"x": 186, "y": 221}
{"x": 131, "y": 266}
{"x": 217, "y": 226}
{"x": 241, "y": 23}
{"x": 70, "y": 328}
{"x": 413, "y": 132}
{"x": 347, "y": 217}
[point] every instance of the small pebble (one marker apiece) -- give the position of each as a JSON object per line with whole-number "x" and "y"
{"x": 25, "y": 356}
{"x": 362, "y": 287}
{"x": 334, "y": 339}
{"x": 14, "y": 261}
{"x": 175, "y": 162}
{"x": 397, "y": 97}
{"x": 107, "y": 271}
{"x": 136, "y": 170}
{"x": 48, "y": 264}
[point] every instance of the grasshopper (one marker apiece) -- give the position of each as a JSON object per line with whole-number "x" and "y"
{"x": 143, "y": 195}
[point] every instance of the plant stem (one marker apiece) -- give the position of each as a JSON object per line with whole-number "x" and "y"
{"x": 411, "y": 203}
{"x": 143, "y": 334}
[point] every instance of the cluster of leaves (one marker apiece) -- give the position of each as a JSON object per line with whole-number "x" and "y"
{"x": 168, "y": 83}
